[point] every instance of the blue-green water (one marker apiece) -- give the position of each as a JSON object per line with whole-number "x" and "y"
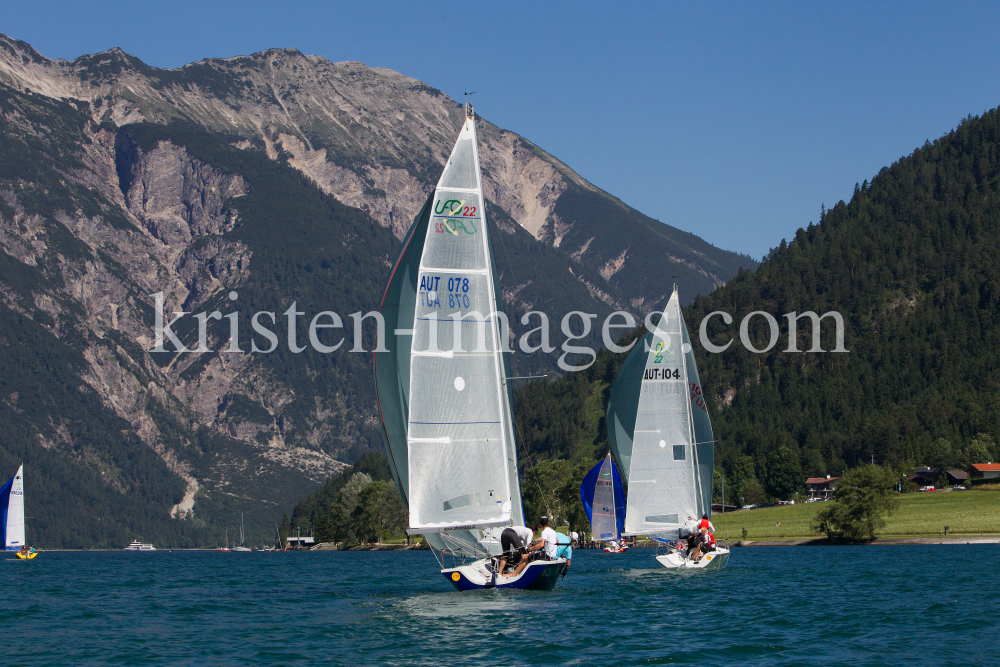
{"x": 784, "y": 606}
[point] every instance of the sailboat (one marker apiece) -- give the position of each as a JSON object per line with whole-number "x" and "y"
{"x": 241, "y": 547}
{"x": 12, "y": 511}
{"x": 225, "y": 549}
{"x": 442, "y": 384}
{"x": 661, "y": 434}
{"x": 603, "y": 497}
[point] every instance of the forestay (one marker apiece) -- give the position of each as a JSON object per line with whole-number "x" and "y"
{"x": 461, "y": 462}
{"x": 12, "y": 508}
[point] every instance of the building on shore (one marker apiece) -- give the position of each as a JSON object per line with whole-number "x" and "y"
{"x": 821, "y": 488}
{"x": 984, "y": 470}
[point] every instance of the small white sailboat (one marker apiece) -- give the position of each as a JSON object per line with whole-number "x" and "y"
{"x": 444, "y": 398}
{"x": 603, "y": 497}
{"x": 12, "y": 514}
{"x": 241, "y": 547}
{"x": 661, "y": 434}
{"x": 225, "y": 549}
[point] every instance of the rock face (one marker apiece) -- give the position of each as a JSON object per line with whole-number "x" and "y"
{"x": 376, "y": 140}
{"x": 99, "y": 214}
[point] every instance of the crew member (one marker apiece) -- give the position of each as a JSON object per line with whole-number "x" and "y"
{"x": 706, "y": 523}
{"x": 512, "y": 542}
{"x": 565, "y": 549}
{"x": 706, "y": 543}
{"x": 550, "y": 537}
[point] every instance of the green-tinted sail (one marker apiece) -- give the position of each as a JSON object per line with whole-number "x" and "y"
{"x": 660, "y": 432}
{"x": 392, "y": 368}
{"x": 703, "y": 435}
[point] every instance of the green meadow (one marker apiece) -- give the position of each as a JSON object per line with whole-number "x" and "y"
{"x": 919, "y": 514}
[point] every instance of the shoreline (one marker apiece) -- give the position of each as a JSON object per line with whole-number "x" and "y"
{"x": 878, "y": 541}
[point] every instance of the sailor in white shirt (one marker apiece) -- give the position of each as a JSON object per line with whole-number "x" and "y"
{"x": 550, "y": 537}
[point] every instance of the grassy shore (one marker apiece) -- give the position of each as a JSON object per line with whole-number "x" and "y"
{"x": 919, "y": 514}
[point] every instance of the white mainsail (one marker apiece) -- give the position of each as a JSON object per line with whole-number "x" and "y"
{"x": 664, "y": 487}
{"x": 460, "y": 446}
{"x": 12, "y": 506}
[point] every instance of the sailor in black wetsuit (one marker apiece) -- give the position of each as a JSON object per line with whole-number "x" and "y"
{"x": 515, "y": 543}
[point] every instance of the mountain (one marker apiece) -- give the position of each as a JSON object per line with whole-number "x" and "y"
{"x": 272, "y": 184}
{"x": 377, "y": 140}
{"x": 912, "y": 262}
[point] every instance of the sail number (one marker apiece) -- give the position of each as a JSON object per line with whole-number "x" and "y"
{"x": 662, "y": 374}
{"x": 458, "y": 292}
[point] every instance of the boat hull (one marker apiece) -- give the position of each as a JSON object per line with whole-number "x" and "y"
{"x": 539, "y": 575}
{"x": 609, "y": 550}
{"x": 714, "y": 560}
{"x": 28, "y": 557}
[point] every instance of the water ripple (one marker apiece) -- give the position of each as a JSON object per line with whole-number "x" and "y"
{"x": 795, "y": 606}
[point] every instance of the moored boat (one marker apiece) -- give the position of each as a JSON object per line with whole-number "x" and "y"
{"x": 138, "y": 546}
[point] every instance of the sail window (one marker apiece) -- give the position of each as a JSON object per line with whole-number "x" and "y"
{"x": 662, "y": 518}
{"x": 679, "y": 452}
{"x": 468, "y": 500}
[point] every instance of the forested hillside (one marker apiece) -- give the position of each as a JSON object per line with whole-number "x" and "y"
{"x": 912, "y": 262}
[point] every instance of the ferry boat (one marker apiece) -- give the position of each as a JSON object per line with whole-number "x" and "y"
{"x": 137, "y": 546}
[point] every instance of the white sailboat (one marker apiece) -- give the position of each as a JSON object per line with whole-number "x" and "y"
{"x": 661, "y": 434}
{"x": 241, "y": 547}
{"x": 443, "y": 393}
{"x": 603, "y": 500}
{"x": 12, "y": 514}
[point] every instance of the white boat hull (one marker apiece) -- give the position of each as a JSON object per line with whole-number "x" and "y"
{"x": 676, "y": 560}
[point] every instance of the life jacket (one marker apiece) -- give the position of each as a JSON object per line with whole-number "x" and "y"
{"x": 703, "y": 524}
{"x": 710, "y": 539}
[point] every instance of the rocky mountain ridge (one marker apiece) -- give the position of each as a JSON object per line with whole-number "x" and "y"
{"x": 376, "y": 140}
{"x": 247, "y": 184}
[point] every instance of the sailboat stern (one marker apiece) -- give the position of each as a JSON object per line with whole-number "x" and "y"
{"x": 713, "y": 560}
{"x": 539, "y": 575}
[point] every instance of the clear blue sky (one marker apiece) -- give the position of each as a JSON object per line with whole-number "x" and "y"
{"x": 733, "y": 121}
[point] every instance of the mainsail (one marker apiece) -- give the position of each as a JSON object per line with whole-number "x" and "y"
{"x": 12, "y": 510}
{"x": 660, "y": 431}
{"x": 603, "y": 499}
{"x": 441, "y": 376}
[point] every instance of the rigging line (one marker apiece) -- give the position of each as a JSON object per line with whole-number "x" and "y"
{"x": 517, "y": 427}
{"x": 520, "y": 439}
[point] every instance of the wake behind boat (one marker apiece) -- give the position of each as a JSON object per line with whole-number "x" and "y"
{"x": 443, "y": 394}
{"x": 660, "y": 431}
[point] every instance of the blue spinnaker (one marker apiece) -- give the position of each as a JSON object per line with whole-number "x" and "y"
{"x": 603, "y": 497}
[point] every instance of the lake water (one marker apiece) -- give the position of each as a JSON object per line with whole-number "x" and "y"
{"x": 771, "y": 606}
